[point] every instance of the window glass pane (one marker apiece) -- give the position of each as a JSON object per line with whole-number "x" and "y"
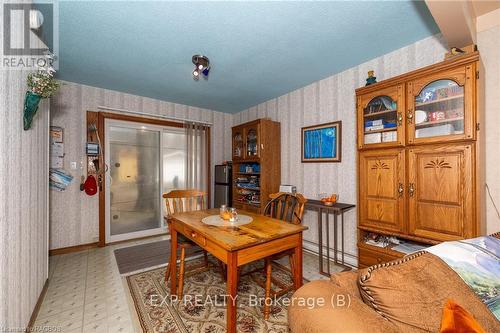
{"x": 380, "y": 120}
{"x": 439, "y": 109}
{"x": 174, "y": 159}
{"x": 134, "y": 174}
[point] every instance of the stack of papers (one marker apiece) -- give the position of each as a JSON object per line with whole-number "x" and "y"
{"x": 59, "y": 179}
{"x": 374, "y": 243}
{"x": 408, "y": 248}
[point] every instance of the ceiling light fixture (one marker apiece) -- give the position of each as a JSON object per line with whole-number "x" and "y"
{"x": 202, "y": 65}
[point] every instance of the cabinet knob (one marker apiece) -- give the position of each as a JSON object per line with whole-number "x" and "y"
{"x": 411, "y": 189}
{"x": 410, "y": 116}
{"x": 400, "y": 189}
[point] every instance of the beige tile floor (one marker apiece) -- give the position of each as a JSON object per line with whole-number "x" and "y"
{"x": 86, "y": 292}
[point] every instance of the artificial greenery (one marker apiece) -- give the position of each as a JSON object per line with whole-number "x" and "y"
{"x": 43, "y": 83}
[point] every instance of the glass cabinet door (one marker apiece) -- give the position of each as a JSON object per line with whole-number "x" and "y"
{"x": 238, "y": 143}
{"x": 380, "y": 121}
{"x": 439, "y": 108}
{"x": 252, "y": 141}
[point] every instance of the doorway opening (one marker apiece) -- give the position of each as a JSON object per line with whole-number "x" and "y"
{"x": 144, "y": 160}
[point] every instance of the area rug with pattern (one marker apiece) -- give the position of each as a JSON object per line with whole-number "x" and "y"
{"x": 203, "y": 308}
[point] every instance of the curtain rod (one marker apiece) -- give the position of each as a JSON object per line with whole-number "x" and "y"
{"x": 155, "y": 115}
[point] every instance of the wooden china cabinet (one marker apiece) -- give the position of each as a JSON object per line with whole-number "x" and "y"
{"x": 256, "y": 156}
{"x": 418, "y": 152}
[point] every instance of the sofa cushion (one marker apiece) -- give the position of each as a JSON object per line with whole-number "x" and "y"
{"x": 340, "y": 312}
{"x": 348, "y": 281}
{"x": 411, "y": 292}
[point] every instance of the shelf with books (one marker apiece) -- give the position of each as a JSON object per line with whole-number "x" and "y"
{"x": 438, "y": 122}
{"x": 439, "y": 100}
{"x": 379, "y": 113}
{"x": 248, "y": 188}
{"x": 257, "y": 173}
{"x": 389, "y": 129}
{"x": 248, "y": 173}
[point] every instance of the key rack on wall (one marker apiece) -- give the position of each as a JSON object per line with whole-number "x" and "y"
{"x": 95, "y": 161}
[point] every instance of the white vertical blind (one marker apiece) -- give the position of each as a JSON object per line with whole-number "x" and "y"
{"x": 196, "y": 157}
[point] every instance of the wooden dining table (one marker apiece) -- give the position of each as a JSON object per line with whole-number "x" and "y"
{"x": 236, "y": 246}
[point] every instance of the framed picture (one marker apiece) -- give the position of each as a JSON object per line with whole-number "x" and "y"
{"x": 322, "y": 143}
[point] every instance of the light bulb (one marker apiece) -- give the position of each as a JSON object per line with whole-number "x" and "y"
{"x": 200, "y": 67}
{"x": 196, "y": 74}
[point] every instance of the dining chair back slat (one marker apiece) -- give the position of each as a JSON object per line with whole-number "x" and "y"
{"x": 286, "y": 207}
{"x": 179, "y": 201}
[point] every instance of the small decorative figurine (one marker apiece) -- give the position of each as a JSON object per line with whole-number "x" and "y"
{"x": 371, "y": 78}
{"x": 428, "y": 96}
{"x": 456, "y": 51}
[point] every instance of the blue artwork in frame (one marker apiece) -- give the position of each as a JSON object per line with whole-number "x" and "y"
{"x": 322, "y": 143}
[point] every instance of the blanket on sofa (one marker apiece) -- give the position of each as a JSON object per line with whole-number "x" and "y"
{"x": 477, "y": 262}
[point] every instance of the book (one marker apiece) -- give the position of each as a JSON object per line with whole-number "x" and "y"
{"x": 374, "y": 122}
{"x": 374, "y": 128}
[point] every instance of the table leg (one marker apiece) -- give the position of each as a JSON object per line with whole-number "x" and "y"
{"x": 232, "y": 286}
{"x": 335, "y": 235}
{"x": 297, "y": 274}
{"x": 328, "y": 241}
{"x": 320, "y": 240}
{"x": 342, "y": 225}
{"x": 173, "y": 262}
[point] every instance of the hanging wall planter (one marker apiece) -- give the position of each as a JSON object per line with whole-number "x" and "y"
{"x": 41, "y": 85}
{"x": 31, "y": 102}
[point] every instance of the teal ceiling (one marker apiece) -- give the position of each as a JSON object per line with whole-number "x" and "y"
{"x": 258, "y": 50}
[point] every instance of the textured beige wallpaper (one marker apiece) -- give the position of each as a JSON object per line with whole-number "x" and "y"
{"x": 329, "y": 100}
{"x": 23, "y": 202}
{"x": 73, "y": 214}
{"x": 488, "y": 43}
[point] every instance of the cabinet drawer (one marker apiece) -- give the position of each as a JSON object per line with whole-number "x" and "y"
{"x": 194, "y": 236}
{"x": 369, "y": 257}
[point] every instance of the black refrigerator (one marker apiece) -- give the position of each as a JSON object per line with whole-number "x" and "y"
{"x": 223, "y": 189}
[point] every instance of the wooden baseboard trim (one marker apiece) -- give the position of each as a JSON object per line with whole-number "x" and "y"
{"x": 71, "y": 249}
{"x": 38, "y": 304}
{"x": 77, "y": 248}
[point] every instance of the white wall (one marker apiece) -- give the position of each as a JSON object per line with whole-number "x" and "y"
{"x": 74, "y": 215}
{"x": 23, "y": 201}
{"x": 488, "y": 42}
{"x": 329, "y": 100}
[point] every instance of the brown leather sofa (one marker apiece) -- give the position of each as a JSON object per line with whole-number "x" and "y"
{"x": 405, "y": 295}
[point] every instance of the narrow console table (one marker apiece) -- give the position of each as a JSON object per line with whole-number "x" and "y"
{"x": 337, "y": 209}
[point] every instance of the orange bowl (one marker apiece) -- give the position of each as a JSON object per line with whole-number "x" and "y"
{"x": 329, "y": 201}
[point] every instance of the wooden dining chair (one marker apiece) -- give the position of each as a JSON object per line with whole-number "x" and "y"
{"x": 289, "y": 208}
{"x": 178, "y": 201}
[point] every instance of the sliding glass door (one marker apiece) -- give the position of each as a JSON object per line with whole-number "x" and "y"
{"x": 174, "y": 155}
{"x": 144, "y": 161}
{"x": 133, "y": 188}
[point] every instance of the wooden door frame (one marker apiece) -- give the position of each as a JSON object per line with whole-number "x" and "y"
{"x": 101, "y": 118}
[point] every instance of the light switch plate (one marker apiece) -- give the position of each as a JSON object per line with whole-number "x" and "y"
{"x": 73, "y": 165}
